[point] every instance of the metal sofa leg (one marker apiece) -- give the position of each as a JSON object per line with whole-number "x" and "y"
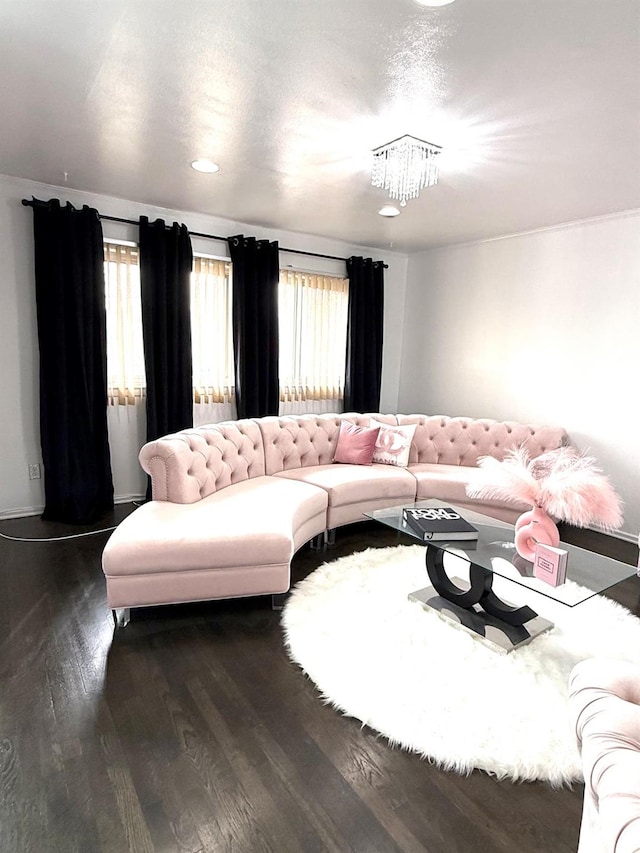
{"x": 121, "y": 616}
{"x": 317, "y": 542}
{"x": 330, "y": 536}
{"x": 278, "y": 599}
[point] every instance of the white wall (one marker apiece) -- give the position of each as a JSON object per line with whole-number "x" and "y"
{"x": 542, "y": 328}
{"x": 19, "y": 413}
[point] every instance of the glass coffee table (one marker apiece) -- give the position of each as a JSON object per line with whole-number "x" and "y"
{"x": 472, "y": 603}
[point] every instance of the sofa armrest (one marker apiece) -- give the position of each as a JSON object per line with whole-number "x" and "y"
{"x": 194, "y": 463}
{"x": 605, "y": 702}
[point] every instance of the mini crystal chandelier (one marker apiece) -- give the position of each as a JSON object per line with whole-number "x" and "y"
{"x": 405, "y": 166}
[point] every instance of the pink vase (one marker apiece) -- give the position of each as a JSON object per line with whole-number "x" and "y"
{"x": 532, "y": 527}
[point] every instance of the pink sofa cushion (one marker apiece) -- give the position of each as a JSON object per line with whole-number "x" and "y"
{"x": 255, "y": 523}
{"x": 351, "y": 484}
{"x": 356, "y": 444}
{"x": 355, "y": 489}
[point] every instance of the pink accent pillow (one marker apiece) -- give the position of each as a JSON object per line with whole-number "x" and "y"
{"x": 394, "y": 443}
{"x": 355, "y": 444}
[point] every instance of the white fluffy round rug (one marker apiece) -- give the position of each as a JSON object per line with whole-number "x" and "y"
{"x": 432, "y": 688}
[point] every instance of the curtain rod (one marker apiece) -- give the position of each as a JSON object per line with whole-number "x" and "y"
{"x": 32, "y": 203}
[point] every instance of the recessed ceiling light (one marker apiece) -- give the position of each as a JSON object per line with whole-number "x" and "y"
{"x": 433, "y": 2}
{"x": 389, "y": 210}
{"x": 205, "y": 166}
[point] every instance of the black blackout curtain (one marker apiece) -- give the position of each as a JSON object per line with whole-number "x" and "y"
{"x": 363, "y": 371}
{"x": 256, "y": 270}
{"x": 71, "y": 316}
{"x": 165, "y": 284}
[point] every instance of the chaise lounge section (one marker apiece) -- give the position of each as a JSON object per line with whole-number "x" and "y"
{"x": 233, "y": 502}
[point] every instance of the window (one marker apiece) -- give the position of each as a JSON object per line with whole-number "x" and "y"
{"x": 212, "y": 340}
{"x": 312, "y": 323}
{"x": 126, "y": 380}
{"x": 313, "y": 336}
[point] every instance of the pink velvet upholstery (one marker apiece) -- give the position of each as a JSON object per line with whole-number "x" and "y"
{"x": 354, "y": 489}
{"x": 605, "y": 701}
{"x": 305, "y": 440}
{"x": 232, "y": 502}
{"x": 461, "y": 441}
{"x": 355, "y": 444}
{"x": 192, "y": 464}
{"x": 233, "y": 543}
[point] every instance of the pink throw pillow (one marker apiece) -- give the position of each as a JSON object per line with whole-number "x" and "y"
{"x": 355, "y": 444}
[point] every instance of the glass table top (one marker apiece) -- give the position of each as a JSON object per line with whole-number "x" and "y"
{"x": 589, "y": 573}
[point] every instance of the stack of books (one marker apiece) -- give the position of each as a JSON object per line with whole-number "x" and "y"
{"x": 433, "y": 524}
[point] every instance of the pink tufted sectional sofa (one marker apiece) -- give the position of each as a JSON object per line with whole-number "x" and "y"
{"x": 605, "y": 702}
{"x": 232, "y": 502}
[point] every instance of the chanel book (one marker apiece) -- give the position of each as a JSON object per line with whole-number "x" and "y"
{"x": 550, "y": 564}
{"x": 435, "y": 524}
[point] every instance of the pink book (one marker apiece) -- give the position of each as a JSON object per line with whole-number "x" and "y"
{"x": 550, "y": 564}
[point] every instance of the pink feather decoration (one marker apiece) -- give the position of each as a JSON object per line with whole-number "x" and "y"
{"x": 567, "y": 484}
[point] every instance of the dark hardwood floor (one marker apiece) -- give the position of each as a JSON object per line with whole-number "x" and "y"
{"x": 190, "y": 730}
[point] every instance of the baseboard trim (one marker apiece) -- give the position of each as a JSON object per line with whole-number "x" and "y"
{"x": 621, "y": 534}
{"x": 616, "y": 534}
{"x": 128, "y": 499}
{"x": 21, "y": 512}
{"x": 26, "y": 511}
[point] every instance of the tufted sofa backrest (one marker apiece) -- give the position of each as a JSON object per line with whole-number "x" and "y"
{"x": 194, "y": 463}
{"x": 299, "y": 441}
{"x": 462, "y": 441}
{"x": 191, "y": 464}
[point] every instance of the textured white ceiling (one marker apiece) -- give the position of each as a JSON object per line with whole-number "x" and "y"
{"x": 536, "y": 102}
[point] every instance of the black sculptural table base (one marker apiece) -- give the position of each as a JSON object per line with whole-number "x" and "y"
{"x": 478, "y": 609}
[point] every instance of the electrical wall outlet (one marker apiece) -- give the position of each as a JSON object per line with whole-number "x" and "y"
{"x": 34, "y": 471}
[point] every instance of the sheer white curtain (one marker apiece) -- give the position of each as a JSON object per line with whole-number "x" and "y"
{"x": 313, "y": 338}
{"x": 212, "y": 341}
{"x": 126, "y": 381}
{"x": 313, "y": 328}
